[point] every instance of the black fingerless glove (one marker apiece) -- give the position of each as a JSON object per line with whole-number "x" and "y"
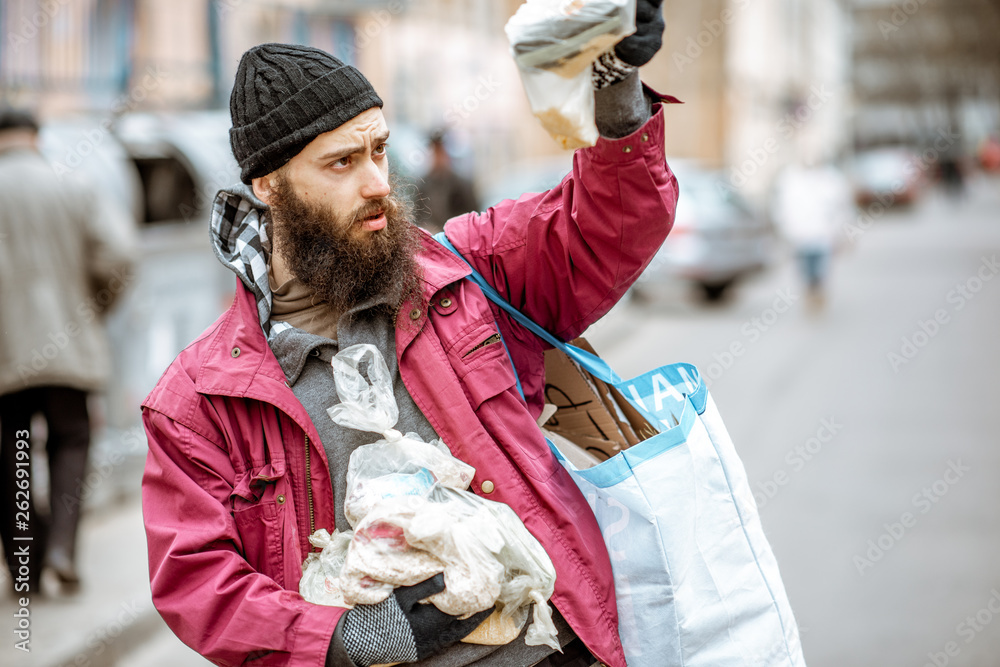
{"x": 400, "y": 629}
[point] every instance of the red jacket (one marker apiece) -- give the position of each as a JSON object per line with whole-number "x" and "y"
{"x": 236, "y": 477}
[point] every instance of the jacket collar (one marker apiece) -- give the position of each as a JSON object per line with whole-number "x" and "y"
{"x": 439, "y": 268}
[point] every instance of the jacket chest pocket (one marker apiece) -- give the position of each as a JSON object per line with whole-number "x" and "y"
{"x": 481, "y": 362}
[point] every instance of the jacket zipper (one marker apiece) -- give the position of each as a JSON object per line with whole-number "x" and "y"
{"x": 495, "y": 338}
{"x": 309, "y": 491}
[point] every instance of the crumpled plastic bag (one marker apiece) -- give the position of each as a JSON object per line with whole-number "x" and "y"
{"x": 554, "y": 43}
{"x": 321, "y": 571}
{"x": 405, "y": 467}
{"x": 413, "y": 517}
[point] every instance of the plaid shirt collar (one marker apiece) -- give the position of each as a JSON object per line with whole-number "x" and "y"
{"x": 239, "y": 235}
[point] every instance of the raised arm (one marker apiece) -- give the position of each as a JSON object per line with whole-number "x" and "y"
{"x": 565, "y": 257}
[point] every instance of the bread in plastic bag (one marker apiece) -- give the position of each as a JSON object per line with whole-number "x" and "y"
{"x": 567, "y": 36}
{"x": 554, "y": 43}
{"x": 413, "y": 517}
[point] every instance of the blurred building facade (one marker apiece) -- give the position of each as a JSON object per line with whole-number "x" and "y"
{"x": 438, "y": 64}
{"x": 760, "y": 78}
{"x": 925, "y": 65}
{"x": 86, "y": 55}
{"x": 765, "y": 82}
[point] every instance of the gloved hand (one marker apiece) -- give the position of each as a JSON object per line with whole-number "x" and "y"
{"x": 639, "y": 48}
{"x": 635, "y": 50}
{"x": 399, "y": 629}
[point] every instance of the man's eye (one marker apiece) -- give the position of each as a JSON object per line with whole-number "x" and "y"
{"x": 343, "y": 162}
{"x": 381, "y": 149}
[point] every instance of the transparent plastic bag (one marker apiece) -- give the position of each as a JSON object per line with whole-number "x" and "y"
{"x": 564, "y": 106}
{"x": 398, "y": 465}
{"x": 320, "y": 583}
{"x": 567, "y": 36}
{"x": 554, "y": 43}
{"x": 405, "y": 467}
{"x": 413, "y": 517}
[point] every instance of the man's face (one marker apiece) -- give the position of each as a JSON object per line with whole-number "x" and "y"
{"x": 345, "y": 170}
{"x": 336, "y": 224}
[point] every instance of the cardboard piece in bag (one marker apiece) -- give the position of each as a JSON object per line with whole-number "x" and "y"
{"x": 590, "y": 413}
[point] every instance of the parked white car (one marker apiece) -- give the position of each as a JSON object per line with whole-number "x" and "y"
{"x": 717, "y": 239}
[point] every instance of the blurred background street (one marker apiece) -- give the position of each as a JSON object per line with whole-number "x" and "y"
{"x": 864, "y": 406}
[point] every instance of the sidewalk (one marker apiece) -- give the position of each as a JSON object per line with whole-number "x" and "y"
{"x": 112, "y": 615}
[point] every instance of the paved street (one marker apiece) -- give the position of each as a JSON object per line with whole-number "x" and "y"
{"x": 878, "y": 477}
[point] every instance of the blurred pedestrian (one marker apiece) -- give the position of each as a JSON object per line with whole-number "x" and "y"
{"x": 812, "y": 203}
{"x": 65, "y": 256}
{"x": 443, "y": 193}
{"x": 952, "y": 172}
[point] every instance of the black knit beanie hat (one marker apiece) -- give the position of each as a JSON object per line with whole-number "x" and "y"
{"x": 286, "y": 95}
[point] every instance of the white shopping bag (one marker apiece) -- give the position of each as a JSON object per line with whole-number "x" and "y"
{"x": 695, "y": 578}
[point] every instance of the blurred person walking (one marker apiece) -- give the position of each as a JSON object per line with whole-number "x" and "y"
{"x": 65, "y": 257}
{"x": 443, "y": 193}
{"x": 812, "y": 202}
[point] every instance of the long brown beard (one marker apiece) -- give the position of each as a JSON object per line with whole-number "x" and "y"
{"x": 341, "y": 267}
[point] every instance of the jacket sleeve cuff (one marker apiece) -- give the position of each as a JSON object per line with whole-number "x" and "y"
{"x": 646, "y": 140}
{"x": 316, "y": 629}
{"x": 337, "y": 655}
{"x": 659, "y": 97}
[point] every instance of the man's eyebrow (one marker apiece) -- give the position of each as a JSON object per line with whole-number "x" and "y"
{"x": 351, "y": 150}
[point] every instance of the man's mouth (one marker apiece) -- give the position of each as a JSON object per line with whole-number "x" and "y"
{"x": 374, "y": 222}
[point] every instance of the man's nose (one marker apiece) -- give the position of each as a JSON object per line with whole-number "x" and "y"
{"x": 376, "y": 183}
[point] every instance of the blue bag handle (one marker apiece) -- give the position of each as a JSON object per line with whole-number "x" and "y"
{"x": 590, "y": 362}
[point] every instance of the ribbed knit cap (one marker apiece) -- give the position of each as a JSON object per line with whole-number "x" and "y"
{"x": 286, "y": 95}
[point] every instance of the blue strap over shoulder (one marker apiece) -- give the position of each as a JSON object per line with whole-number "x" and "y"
{"x": 590, "y": 362}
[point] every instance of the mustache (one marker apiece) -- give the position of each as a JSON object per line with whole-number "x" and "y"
{"x": 390, "y": 206}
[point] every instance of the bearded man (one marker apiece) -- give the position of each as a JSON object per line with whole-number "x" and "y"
{"x": 244, "y": 462}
